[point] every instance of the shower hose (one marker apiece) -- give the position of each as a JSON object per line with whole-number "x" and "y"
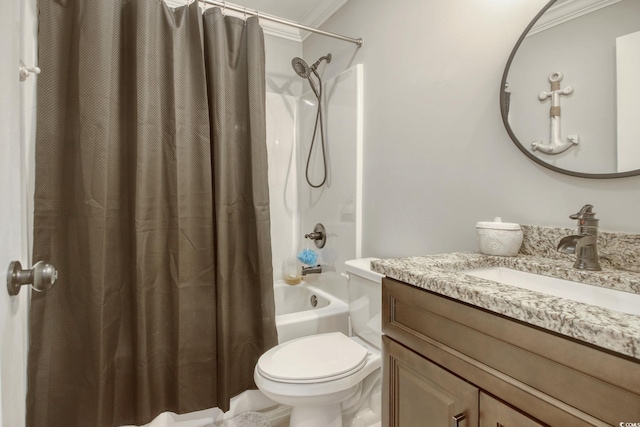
{"x": 318, "y": 123}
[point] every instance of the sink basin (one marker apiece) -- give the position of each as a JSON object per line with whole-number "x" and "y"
{"x": 625, "y": 302}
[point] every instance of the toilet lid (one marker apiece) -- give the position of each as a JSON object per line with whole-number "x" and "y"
{"x": 316, "y": 358}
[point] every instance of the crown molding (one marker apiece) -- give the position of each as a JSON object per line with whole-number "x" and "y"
{"x": 567, "y": 11}
{"x": 319, "y": 14}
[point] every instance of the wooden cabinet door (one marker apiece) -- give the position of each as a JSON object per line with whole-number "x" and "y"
{"x": 494, "y": 413}
{"x": 418, "y": 393}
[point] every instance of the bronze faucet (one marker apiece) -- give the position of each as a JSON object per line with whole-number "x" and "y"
{"x": 584, "y": 244}
{"x": 312, "y": 270}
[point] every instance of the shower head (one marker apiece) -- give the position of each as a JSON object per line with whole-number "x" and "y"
{"x": 302, "y": 68}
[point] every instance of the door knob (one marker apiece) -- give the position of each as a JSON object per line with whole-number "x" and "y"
{"x": 41, "y": 277}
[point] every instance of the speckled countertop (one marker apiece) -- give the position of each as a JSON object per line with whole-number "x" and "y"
{"x": 602, "y": 327}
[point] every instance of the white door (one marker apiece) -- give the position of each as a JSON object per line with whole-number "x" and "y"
{"x": 13, "y": 222}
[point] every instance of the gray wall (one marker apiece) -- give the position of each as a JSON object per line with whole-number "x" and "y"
{"x": 437, "y": 158}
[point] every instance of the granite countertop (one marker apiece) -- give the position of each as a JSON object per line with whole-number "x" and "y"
{"x": 602, "y": 327}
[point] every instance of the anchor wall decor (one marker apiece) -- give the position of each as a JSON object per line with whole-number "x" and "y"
{"x": 555, "y": 145}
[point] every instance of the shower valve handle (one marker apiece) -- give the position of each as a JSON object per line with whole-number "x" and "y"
{"x": 319, "y": 236}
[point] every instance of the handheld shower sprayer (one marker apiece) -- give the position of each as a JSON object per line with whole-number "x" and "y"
{"x": 303, "y": 70}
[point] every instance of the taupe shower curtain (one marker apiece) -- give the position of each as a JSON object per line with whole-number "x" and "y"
{"x": 152, "y": 201}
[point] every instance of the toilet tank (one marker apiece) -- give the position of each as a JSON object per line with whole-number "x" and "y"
{"x": 365, "y": 295}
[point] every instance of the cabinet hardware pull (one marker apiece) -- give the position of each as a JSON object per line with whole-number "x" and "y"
{"x": 456, "y": 419}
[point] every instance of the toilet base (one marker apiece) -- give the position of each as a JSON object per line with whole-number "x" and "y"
{"x": 316, "y": 416}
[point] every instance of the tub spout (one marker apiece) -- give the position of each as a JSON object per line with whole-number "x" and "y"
{"x": 312, "y": 270}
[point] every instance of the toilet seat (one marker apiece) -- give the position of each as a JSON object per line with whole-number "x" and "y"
{"x": 313, "y": 359}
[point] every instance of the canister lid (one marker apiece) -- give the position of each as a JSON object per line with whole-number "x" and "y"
{"x": 497, "y": 224}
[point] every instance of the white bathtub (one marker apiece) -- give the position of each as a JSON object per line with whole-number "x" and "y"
{"x": 295, "y": 317}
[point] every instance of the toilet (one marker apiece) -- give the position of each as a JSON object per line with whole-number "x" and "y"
{"x": 327, "y": 376}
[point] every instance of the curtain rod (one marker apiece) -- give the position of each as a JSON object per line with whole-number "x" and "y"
{"x": 272, "y": 18}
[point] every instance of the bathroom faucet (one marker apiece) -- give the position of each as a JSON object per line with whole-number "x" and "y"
{"x": 311, "y": 270}
{"x": 584, "y": 244}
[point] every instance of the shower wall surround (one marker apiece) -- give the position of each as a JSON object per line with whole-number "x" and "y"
{"x": 284, "y": 88}
{"x": 295, "y": 206}
{"x": 283, "y": 196}
{"x": 336, "y": 204}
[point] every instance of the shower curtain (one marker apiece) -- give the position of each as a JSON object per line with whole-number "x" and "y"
{"x": 151, "y": 199}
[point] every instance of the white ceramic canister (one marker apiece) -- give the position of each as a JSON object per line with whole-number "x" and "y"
{"x": 499, "y": 238}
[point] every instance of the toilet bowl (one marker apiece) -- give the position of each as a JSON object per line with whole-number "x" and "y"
{"x": 321, "y": 376}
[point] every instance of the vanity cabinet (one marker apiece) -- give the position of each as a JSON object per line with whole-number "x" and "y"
{"x": 443, "y": 358}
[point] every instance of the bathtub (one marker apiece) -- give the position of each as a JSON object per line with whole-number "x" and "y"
{"x": 309, "y": 309}
{"x": 296, "y": 316}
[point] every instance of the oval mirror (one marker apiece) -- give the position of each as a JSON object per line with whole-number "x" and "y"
{"x": 570, "y": 93}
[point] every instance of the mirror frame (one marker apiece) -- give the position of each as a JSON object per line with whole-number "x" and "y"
{"x": 515, "y": 140}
